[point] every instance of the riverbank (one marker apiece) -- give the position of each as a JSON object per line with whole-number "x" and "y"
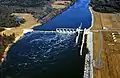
{"x": 58, "y": 10}
{"x": 109, "y": 55}
{"x": 92, "y": 22}
{"x": 60, "y": 4}
{"x": 88, "y": 69}
{"x": 18, "y": 31}
{"x": 105, "y": 20}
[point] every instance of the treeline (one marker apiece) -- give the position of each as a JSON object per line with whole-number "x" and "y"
{"x": 6, "y": 19}
{"x": 24, "y": 3}
{"x": 109, "y": 6}
{"x": 1, "y": 29}
{"x": 4, "y": 41}
{"x": 38, "y": 8}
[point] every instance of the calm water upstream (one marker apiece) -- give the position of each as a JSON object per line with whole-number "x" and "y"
{"x": 71, "y": 18}
{"x": 49, "y": 54}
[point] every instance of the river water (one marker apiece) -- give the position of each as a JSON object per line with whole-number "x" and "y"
{"x": 49, "y": 54}
{"x": 71, "y": 18}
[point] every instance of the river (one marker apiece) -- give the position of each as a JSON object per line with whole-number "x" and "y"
{"x": 71, "y": 18}
{"x": 49, "y": 54}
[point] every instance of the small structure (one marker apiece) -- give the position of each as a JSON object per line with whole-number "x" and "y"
{"x": 20, "y": 19}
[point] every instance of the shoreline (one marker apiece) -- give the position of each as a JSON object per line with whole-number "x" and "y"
{"x": 88, "y": 69}
{"x": 62, "y": 10}
{"x": 29, "y": 24}
{"x": 17, "y": 38}
{"x": 92, "y": 15}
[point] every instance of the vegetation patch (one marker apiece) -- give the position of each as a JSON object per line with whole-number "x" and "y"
{"x": 1, "y": 29}
{"x": 5, "y": 41}
{"x": 106, "y": 6}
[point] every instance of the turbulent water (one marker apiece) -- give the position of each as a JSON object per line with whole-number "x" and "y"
{"x": 43, "y": 54}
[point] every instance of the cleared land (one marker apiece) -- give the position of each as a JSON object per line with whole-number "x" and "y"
{"x": 30, "y": 23}
{"x": 110, "y": 55}
{"x": 58, "y": 6}
{"x": 111, "y": 21}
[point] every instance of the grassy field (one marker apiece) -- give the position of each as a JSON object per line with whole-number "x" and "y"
{"x": 110, "y": 55}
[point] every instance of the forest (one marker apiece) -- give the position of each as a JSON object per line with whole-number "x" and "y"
{"x": 6, "y": 19}
{"x": 106, "y": 6}
{"x": 4, "y": 41}
{"x": 38, "y": 8}
{"x": 24, "y": 3}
